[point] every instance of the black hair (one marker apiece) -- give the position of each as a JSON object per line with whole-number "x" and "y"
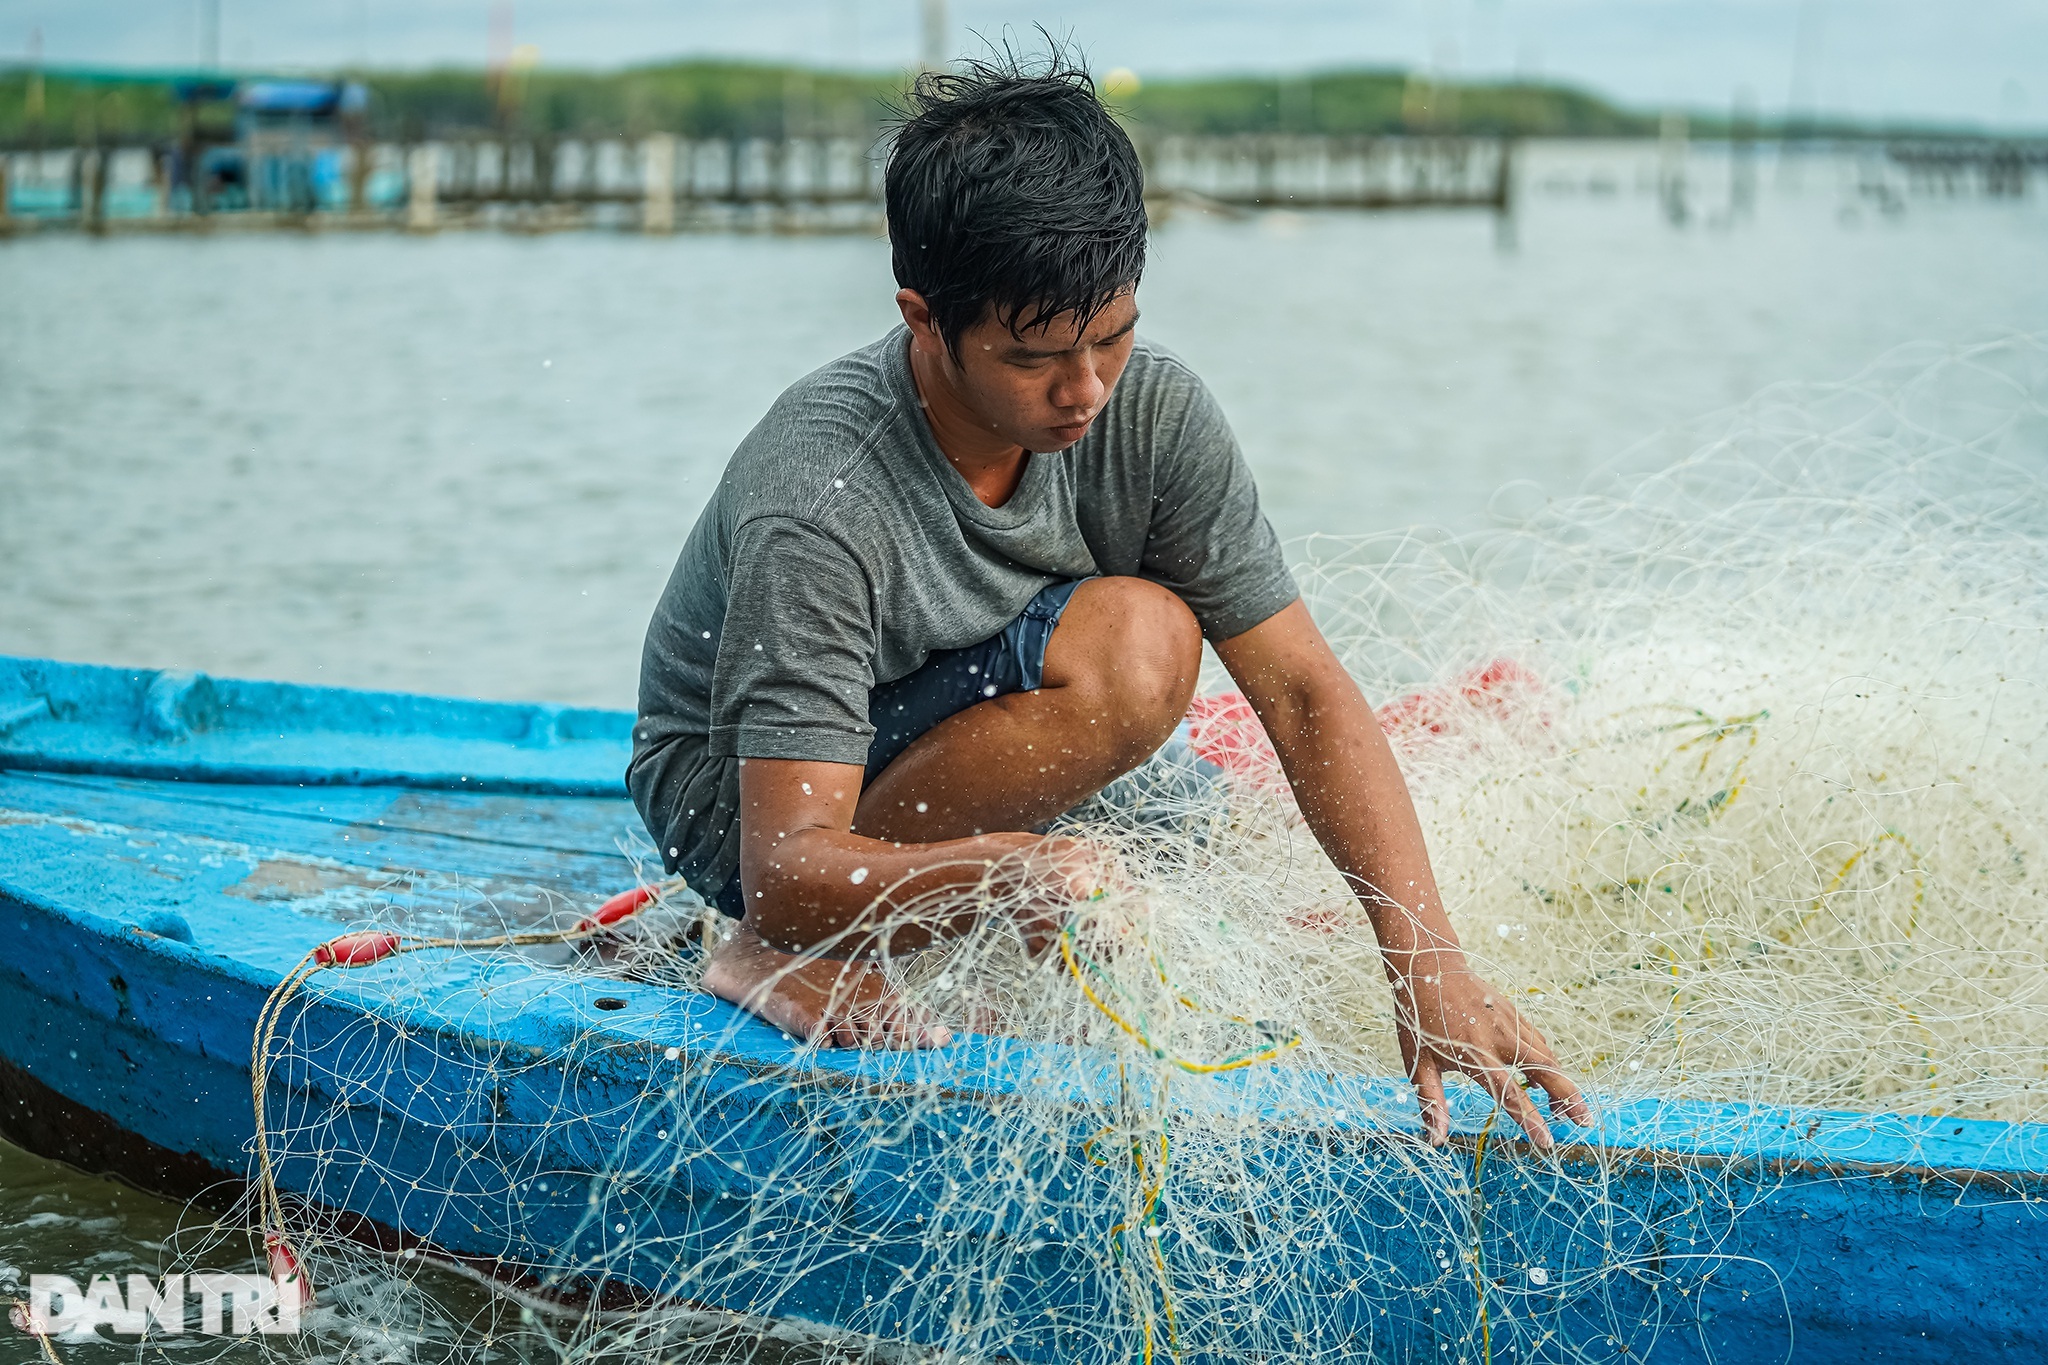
{"x": 1010, "y": 186}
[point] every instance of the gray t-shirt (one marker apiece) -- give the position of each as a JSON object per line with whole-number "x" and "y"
{"x": 841, "y": 550}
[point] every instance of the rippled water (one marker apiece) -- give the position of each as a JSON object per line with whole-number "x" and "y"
{"x": 464, "y": 464}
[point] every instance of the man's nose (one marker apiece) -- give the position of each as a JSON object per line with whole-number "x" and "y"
{"x": 1078, "y": 387}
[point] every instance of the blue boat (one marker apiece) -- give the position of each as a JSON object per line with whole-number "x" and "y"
{"x": 174, "y": 846}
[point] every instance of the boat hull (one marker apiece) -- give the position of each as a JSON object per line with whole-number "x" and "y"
{"x": 586, "y": 1134}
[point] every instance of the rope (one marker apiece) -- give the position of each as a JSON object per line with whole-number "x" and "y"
{"x": 362, "y": 950}
{"x": 25, "y": 1318}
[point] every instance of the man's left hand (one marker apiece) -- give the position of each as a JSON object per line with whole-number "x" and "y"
{"x": 1453, "y": 1020}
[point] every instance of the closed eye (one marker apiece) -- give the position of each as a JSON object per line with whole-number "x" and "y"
{"x": 1025, "y": 358}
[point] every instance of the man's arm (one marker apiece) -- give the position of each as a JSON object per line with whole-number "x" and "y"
{"x": 817, "y": 891}
{"x": 813, "y": 884}
{"x": 1356, "y": 802}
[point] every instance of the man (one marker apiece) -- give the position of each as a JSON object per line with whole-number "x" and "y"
{"x": 958, "y": 581}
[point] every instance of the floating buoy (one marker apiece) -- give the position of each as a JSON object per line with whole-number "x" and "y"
{"x": 294, "y": 1286}
{"x": 356, "y": 950}
{"x": 617, "y": 908}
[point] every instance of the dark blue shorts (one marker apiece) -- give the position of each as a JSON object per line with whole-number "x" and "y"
{"x": 1011, "y": 660}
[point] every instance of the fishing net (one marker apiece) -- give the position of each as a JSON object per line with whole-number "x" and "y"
{"x": 1731, "y": 769}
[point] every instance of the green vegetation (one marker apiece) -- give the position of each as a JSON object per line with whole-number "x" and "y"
{"x": 70, "y": 110}
{"x": 699, "y": 99}
{"x": 1347, "y": 102}
{"x": 725, "y": 98}
{"x": 709, "y": 99}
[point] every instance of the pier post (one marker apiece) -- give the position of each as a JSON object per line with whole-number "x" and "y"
{"x": 422, "y": 173}
{"x": 686, "y": 170}
{"x": 466, "y": 175}
{"x": 1742, "y": 155}
{"x": 95, "y": 177}
{"x": 1266, "y": 171}
{"x": 1504, "y": 196}
{"x": 544, "y": 169}
{"x": 1673, "y": 149}
{"x": 161, "y": 167}
{"x": 360, "y": 150}
{"x": 658, "y": 183}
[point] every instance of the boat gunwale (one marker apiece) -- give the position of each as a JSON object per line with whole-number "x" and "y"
{"x": 799, "y": 1069}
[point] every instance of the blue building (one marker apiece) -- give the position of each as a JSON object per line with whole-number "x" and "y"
{"x": 289, "y": 149}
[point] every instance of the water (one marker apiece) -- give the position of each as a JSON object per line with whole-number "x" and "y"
{"x": 465, "y": 464}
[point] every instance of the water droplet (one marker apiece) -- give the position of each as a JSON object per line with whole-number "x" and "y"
{"x": 860, "y": 874}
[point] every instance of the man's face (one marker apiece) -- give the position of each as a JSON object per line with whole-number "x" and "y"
{"x": 1043, "y": 390}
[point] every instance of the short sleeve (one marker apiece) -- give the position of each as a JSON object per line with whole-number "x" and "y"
{"x": 1208, "y": 540}
{"x": 797, "y": 648}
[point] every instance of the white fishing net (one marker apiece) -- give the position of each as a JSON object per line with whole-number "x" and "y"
{"x": 1732, "y": 774}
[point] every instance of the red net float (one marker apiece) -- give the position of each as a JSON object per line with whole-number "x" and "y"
{"x": 356, "y": 950}
{"x": 1496, "y": 690}
{"x": 617, "y": 908}
{"x": 1224, "y": 729}
{"x": 294, "y": 1288}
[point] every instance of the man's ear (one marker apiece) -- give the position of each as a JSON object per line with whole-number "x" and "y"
{"x": 917, "y": 316}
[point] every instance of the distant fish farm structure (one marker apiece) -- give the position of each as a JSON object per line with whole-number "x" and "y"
{"x": 308, "y": 155}
{"x": 315, "y": 178}
{"x": 205, "y": 152}
{"x": 1997, "y": 168}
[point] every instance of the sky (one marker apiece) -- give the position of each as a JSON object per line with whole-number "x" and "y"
{"x": 1974, "y": 61}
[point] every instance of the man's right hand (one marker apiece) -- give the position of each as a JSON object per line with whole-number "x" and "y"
{"x": 834, "y": 1002}
{"x": 1058, "y": 876}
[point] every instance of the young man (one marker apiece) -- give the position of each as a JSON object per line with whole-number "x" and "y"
{"x": 958, "y": 581}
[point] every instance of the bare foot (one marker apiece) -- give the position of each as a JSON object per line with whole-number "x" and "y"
{"x": 819, "y": 999}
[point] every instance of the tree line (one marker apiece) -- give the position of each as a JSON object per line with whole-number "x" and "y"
{"x": 708, "y": 98}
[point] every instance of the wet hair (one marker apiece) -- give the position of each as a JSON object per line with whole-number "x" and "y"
{"x": 1011, "y": 188}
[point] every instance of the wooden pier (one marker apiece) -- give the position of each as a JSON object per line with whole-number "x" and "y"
{"x": 1321, "y": 172}
{"x": 664, "y": 183}
{"x": 1998, "y": 168}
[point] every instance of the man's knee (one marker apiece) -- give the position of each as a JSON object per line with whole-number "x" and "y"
{"x": 1137, "y": 647}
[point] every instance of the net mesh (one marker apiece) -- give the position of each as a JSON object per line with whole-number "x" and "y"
{"x": 1731, "y": 770}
